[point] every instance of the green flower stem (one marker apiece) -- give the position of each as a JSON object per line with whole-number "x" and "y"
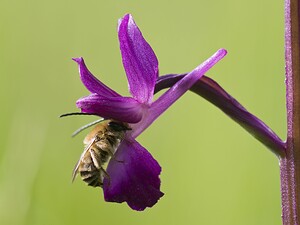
{"x": 290, "y": 162}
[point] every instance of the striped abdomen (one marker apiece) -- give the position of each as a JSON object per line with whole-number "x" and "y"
{"x": 101, "y": 144}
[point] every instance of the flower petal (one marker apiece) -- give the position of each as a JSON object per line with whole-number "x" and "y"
{"x": 133, "y": 177}
{"x": 91, "y": 82}
{"x": 175, "y": 92}
{"x": 214, "y": 93}
{"x": 124, "y": 109}
{"x": 139, "y": 60}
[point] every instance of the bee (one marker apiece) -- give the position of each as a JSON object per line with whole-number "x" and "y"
{"x": 100, "y": 145}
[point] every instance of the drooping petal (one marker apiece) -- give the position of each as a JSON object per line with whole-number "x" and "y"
{"x": 214, "y": 93}
{"x": 123, "y": 109}
{"x": 133, "y": 177}
{"x": 91, "y": 82}
{"x": 176, "y": 91}
{"x": 139, "y": 60}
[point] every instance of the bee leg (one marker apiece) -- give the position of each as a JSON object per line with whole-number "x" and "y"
{"x": 112, "y": 155}
{"x": 105, "y": 174}
{"x": 95, "y": 159}
{"x": 120, "y": 161}
{"x": 100, "y": 183}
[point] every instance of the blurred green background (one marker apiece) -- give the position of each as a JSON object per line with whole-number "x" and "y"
{"x": 213, "y": 171}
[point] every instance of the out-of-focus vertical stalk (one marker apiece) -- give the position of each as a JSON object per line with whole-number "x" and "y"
{"x": 290, "y": 163}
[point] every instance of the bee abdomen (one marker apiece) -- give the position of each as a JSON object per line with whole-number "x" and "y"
{"x": 104, "y": 156}
{"x": 92, "y": 178}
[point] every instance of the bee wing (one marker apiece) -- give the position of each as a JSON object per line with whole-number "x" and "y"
{"x": 85, "y": 151}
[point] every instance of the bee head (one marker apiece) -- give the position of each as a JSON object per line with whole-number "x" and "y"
{"x": 118, "y": 126}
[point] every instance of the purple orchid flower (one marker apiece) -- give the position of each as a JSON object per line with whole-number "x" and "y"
{"x": 136, "y": 180}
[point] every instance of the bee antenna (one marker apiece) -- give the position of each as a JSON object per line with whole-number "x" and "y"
{"x": 86, "y": 126}
{"x": 77, "y": 113}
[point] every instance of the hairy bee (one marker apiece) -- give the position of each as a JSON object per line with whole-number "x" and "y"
{"x": 100, "y": 145}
